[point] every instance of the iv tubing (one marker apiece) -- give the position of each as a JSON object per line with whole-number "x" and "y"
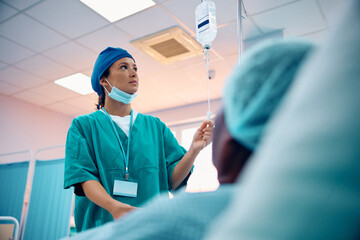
{"x": 206, "y": 61}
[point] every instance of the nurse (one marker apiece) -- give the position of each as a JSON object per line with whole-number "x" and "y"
{"x": 117, "y": 158}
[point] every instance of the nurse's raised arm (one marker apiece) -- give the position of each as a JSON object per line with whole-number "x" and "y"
{"x": 202, "y": 138}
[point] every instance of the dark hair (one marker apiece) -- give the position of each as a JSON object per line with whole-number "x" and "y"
{"x": 101, "y": 100}
{"x": 229, "y": 156}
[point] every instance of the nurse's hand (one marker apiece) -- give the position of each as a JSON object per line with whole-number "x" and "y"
{"x": 120, "y": 209}
{"x": 203, "y": 136}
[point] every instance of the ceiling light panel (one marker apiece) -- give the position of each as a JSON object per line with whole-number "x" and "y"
{"x": 77, "y": 82}
{"x": 114, "y": 10}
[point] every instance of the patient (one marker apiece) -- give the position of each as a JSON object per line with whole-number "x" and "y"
{"x": 252, "y": 94}
{"x": 307, "y": 185}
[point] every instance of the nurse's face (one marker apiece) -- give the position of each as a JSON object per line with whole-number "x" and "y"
{"x": 123, "y": 75}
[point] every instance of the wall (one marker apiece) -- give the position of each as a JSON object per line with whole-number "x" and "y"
{"x": 25, "y": 126}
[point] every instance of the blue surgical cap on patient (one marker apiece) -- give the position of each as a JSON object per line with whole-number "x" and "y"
{"x": 105, "y": 59}
{"x": 256, "y": 87}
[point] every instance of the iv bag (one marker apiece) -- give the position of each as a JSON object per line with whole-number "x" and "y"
{"x": 205, "y": 16}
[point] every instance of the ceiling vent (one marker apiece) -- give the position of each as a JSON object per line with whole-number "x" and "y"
{"x": 170, "y": 45}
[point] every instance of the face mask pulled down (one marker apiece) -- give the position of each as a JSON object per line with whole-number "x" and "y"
{"x": 119, "y": 95}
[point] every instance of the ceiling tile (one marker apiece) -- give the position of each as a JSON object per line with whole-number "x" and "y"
{"x": 192, "y": 60}
{"x": 317, "y": 37}
{"x": 106, "y": 37}
{"x": 30, "y": 33}
{"x": 294, "y": 14}
{"x": 72, "y": 18}
{"x": 65, "y": 109}
{"x": 54, "y": 91}
{"x": 147, "y": 66}
{"x": 144, "y": 23}
{"x": 34, "y": 98}
{"x": 8, "y": 89}
{"x": 191, "y": 95}
{"x": 223, "y": 71}
{"x": 256, "y": 6}
{"x": 21, "y": 4}
{"x": 152, "y": 96}
{"x": 45, "y": 68}
{"x": 6, "y": 11}
{"x": 249, "y": 29}
{"x": 226, "y": 41}
{"x": 142, "y": 105}
{"x": 87, "y": 72}
{"x": 20, "y": 78}
{"x": 232, "y": 59}
{"x": 160, "y": 1}
{"x": 174, "y": 80}
{"x": 332, "y": 10}
{"x": 2, "y": 65}
{"x": 165, "y": 100}
{"x": 184, "y": 10}
{"x": 72, "y": 55}
{"x": 12, "y": 52}
{"x": 198, "y": 74}
{"x": 226, "y": 11}
{"x": 274, "y": 35}
{"x": 147, "y": 89}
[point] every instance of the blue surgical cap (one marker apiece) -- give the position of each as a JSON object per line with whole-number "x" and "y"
{"x": 105, "y": 59}
{"x": 256, "y": 87}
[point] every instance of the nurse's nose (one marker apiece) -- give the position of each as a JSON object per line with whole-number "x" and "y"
{"x": 133, "y": 73}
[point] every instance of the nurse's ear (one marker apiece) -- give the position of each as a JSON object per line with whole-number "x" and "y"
{"x": 103, "y": 82}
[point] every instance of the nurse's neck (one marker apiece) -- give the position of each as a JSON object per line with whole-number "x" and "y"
{"x": 116, "y": 108}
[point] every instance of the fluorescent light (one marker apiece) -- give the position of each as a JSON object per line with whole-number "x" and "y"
{"x": 78, "y": 82}
{"x": 114, "y": 10}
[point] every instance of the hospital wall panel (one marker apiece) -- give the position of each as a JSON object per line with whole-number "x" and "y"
{"x": 25, "y": 126}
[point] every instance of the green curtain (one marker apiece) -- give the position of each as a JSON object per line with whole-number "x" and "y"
{"x": 50, "y": 204}
{"x": 13, "y": 178}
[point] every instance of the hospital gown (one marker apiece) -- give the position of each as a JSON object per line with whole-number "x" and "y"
{"x": 93, "y": 153}
{"x": 186, "y": 216}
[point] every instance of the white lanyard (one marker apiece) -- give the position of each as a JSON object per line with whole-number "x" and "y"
{"x": 126, "y": 156}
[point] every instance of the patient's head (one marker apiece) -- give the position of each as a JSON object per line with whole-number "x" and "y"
{"x": 252, "y": 94}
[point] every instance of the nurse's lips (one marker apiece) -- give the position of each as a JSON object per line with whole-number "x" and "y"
{"x": 134, "y": 82}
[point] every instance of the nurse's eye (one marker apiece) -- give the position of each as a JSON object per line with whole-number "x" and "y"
{"x": 135, "y": 69}
{"x": 124, "y": 67}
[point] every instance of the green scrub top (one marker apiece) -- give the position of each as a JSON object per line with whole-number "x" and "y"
{"x": 93, "y": 153}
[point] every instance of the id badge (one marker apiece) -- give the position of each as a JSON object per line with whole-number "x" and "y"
{"x": 125, "y": 188}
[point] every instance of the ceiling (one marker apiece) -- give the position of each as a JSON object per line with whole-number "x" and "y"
{"x": 44, "y": 40}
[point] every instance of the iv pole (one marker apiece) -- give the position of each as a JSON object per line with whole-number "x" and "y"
{"x": 239, "y": 25}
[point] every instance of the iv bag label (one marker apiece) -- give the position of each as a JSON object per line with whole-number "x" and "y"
{"x": 203, "y": 24}
{"x": 203, "y": 20}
